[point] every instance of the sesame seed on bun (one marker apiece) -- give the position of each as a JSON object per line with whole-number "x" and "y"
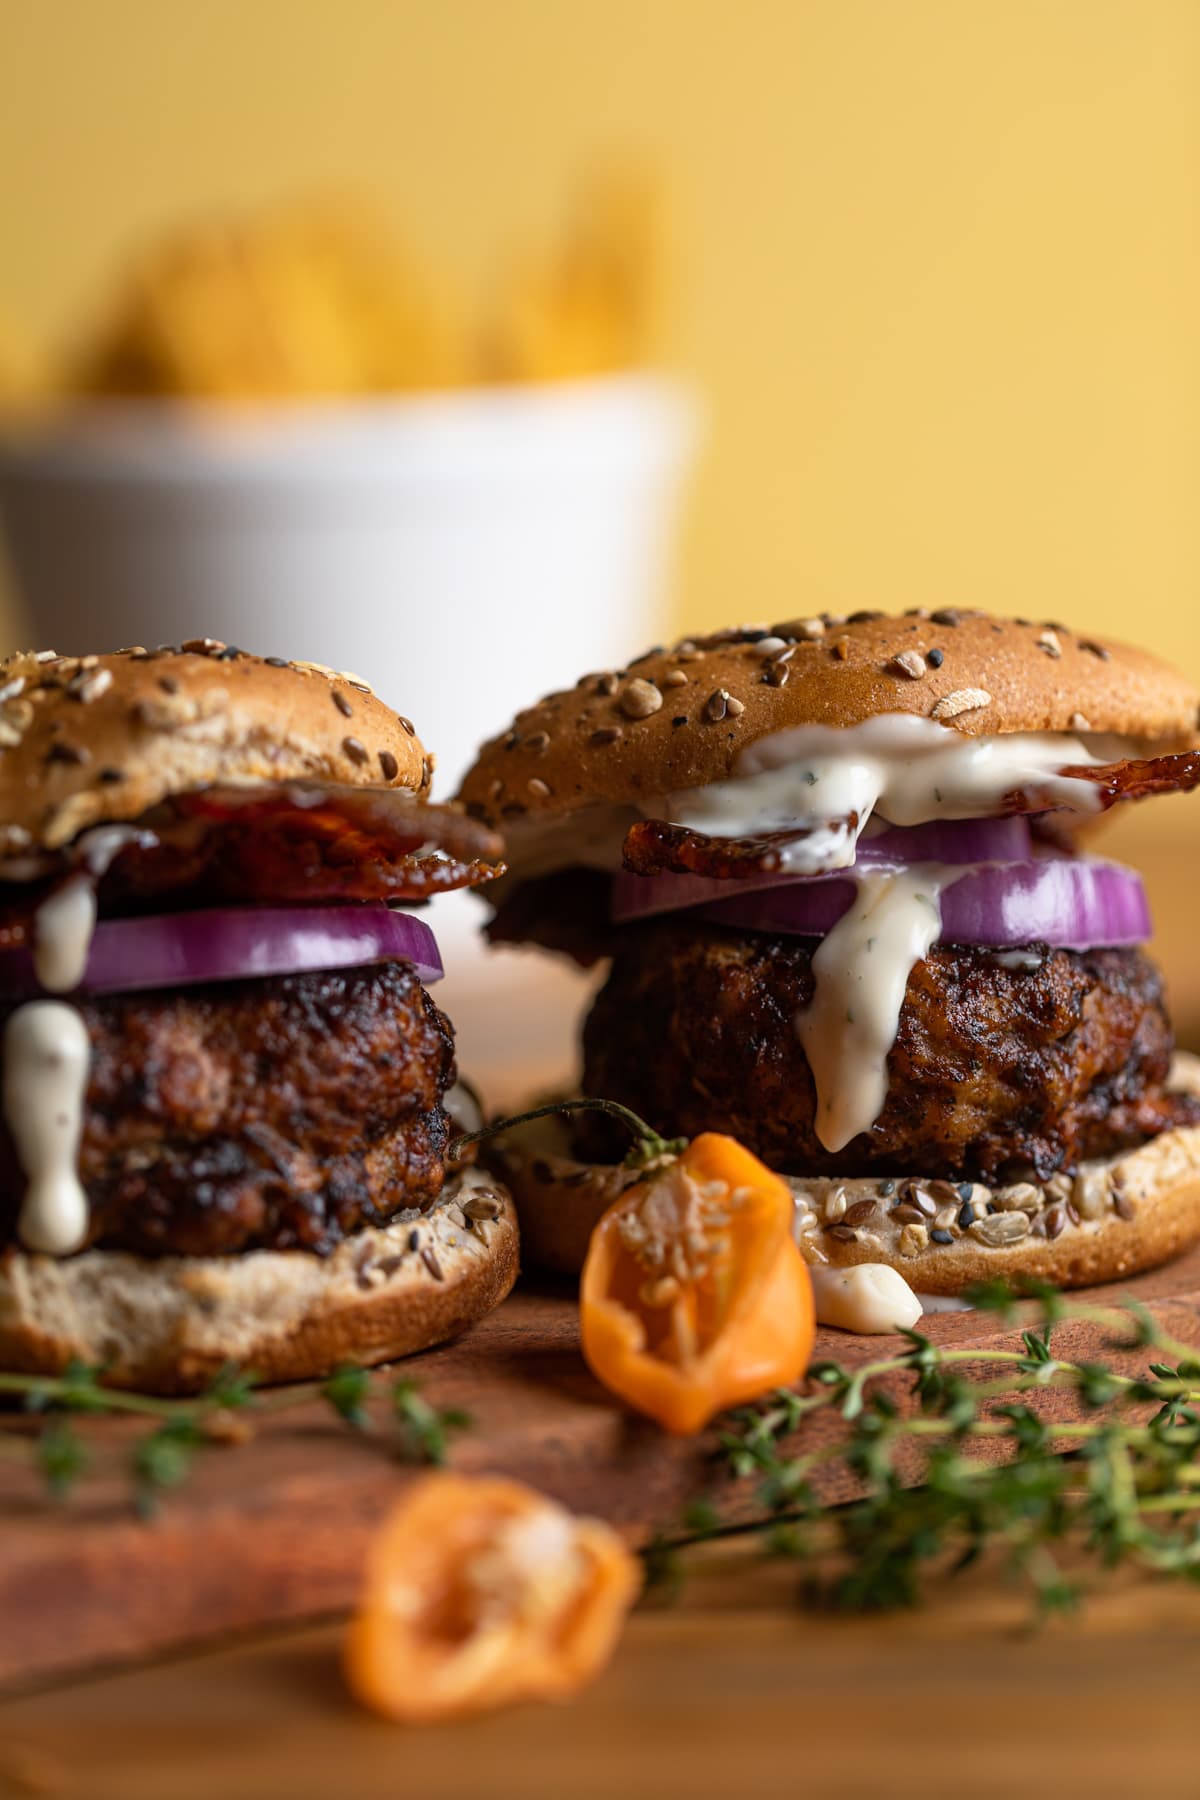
{"x": 169, "y": 1324}
{"x": 679, "y": 717}
{"x": 94, "y": 740}
{"x": 1126, "y": 1213}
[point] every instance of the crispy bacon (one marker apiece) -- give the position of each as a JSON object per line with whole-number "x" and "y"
{"x": 652, "y": 847}
{"x": 1138, "y": 778}
{"x": 291, "y": 843}
{"x": 300, "y": 842}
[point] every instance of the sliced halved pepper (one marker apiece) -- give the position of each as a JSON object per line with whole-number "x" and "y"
{"x": 480, "y": 1592}
{"x": 694, "y": 1295}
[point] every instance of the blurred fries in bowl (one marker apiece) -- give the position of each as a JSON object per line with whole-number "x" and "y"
{"x": 279, "y": 431}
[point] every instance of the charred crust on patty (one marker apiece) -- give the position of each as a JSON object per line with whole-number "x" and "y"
{"x": 993, "y": 1070}
{"x": 280, "y": 1113}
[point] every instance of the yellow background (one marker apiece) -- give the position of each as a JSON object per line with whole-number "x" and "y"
{"x": 938, "y": 260}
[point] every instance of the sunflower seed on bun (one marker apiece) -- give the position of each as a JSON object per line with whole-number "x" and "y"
{"x": 838, "y": 882}
{"x": 224, "y": 1123}
{"x": 983, "y": 676}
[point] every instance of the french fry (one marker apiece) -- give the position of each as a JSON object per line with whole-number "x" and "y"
{"x": 318, "y": 300}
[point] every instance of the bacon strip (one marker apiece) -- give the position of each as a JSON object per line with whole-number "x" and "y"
{"x": 301, "y": 842}
{"x": 284, "y": 844}
{"x": 652, "y": 847}
{"x": 1138, "y": 778}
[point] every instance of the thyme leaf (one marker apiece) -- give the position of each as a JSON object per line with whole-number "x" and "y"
{"x": 994, "y": 1473}
{"x": 424, "y": 1430}
{"x": 162, "y": 1457}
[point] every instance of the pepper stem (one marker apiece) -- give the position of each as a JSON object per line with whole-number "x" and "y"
{"x": 646, "y": 1148}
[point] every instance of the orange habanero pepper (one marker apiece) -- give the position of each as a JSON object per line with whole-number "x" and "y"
{"x": 694, "y": 1295}
{"x": 480, "y": 1592}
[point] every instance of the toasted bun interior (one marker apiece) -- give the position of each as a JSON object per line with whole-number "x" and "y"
{"x": 167, "y": 1325}
{"x": 1112, "y": 1219}
{"x": 679, "y": 717}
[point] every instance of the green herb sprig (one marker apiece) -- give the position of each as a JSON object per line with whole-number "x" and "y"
{"x": 1119, "y": 1486}
{"x": 161, "y": 1458}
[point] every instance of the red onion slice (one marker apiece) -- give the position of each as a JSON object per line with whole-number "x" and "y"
{"x": 1076, "y": 903}
{"x": 952, "y": 841}
{"x": 238, "y": 944}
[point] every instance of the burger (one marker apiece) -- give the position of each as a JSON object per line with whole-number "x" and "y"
{"x": 836, "y": 869}
{"x": 224, "y": 1124}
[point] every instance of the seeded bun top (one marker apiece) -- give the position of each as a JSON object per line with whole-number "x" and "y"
{"x": 93, "y": 739}
{"x": 678, "y": 718}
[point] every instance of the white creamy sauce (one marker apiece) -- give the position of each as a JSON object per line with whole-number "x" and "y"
{"x": 871, "y": 1298}
{"x": 46, "y": 1059}
{"x": 99, "y": 848}
{"x": 862, "y": 969}
{"x": 1020, "y": 959}
{"x": 906, "y": 769}
{"x": 830, "y": 783}
{"x": 62, "y": 934}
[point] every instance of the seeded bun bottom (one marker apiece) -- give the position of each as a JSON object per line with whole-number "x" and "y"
{"x": 1113, "y": 1219}
{"x": 167, "y": 1325}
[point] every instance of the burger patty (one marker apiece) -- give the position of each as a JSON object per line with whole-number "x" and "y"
{"x": 995, "y": 1072}
{"x": 277, "y": 1114}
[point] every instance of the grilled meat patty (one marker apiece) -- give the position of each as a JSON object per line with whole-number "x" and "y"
{"x": 995, "y": 1072}
{"x": 280, "y": 1113}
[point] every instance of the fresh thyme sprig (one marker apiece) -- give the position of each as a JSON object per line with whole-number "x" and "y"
{"x": 424, "y": 1431}
{"x": 1121, "y": 1484}
{"x": 227, "y": 1412}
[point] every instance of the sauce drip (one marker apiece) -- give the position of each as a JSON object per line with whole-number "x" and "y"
{"x": 46, "y": 1058}
{"x": 62, "y": 934}
{"x": 904, "y": 769}
{"x": 870, "y": 1298}
{"x": 861, "y": 970}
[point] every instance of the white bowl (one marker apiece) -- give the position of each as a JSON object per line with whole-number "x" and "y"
{"x": 463, "y": 552}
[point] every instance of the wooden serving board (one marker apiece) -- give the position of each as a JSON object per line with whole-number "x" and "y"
{"x": 274, "y": 1530}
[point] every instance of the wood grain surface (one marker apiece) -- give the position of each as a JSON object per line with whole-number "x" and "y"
{"x": 733, "y": 1691}
{"x": 275, "y": 1530}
